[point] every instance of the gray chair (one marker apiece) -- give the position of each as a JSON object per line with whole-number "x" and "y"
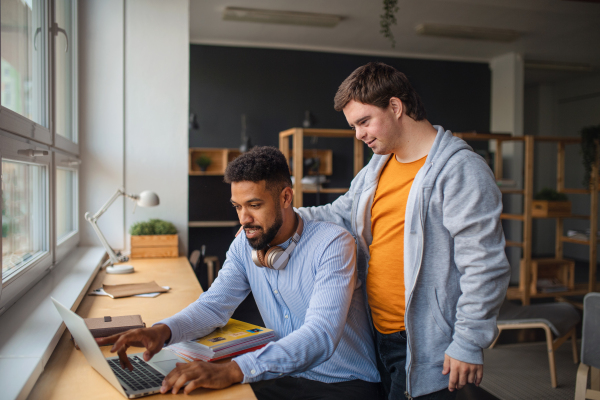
{"x": 590, "y": 349}
{"x": 559, "y": 319}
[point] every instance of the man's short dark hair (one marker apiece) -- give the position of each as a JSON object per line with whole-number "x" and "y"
{"x": 262, "y": 163}
{"x": 375, "y": 84}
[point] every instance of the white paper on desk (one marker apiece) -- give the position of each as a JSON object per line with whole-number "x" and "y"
{"x": 101, "y": 292}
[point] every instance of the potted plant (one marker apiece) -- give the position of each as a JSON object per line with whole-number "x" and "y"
{"x": 589, "y": 137}
{"x": 153, "y": 239}
{"x": 549, "y": 203}
{"x": 203, "y": 162}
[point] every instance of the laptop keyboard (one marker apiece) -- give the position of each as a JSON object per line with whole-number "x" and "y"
{"x": 142, "y": 377}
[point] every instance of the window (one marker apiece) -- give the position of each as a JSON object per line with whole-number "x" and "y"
{"x": 24, "y": 59}
{"x": 66, "y": 203}
{"x": 65, "y": 42}
{"x": 24, "y": 193}
{"x": 38, "y": 140}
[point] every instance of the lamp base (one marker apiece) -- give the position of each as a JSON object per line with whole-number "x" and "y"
{"x": 119, "y": 269}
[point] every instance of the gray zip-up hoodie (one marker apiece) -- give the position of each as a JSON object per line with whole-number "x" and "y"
{"x": 455, "y": 268}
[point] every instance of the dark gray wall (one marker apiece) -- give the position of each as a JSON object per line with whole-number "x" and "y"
{"x": 275, "y": 87}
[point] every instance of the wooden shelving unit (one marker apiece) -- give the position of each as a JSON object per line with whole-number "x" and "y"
{"x": 219, "y": 157}
{"x": 297, "y": 137}
{"x": 524, "y": 293}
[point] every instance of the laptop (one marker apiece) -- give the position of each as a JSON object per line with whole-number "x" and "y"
{"x": 146, "y": 377}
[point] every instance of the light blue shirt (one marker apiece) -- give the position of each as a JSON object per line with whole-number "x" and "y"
{"x": 315, "y": 305}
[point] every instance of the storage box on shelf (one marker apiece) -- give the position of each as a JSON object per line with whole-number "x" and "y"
{"x": 154, "y": 246}
{"x": 219, "y": 160}
{"x": 550, "y": 209}
{"x": 551, "y": 275}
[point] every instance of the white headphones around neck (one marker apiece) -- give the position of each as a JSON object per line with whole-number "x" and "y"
{"x": 275, "y": 257}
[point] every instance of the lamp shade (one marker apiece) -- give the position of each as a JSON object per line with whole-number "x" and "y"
{"x": 148, "y": 199}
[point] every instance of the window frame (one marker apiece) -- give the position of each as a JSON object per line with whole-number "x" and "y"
{"x": 18, "y": 132}
{"x": 18, "y": 124}
{"x": 63, "y": 246}
{"x": 61, "y": 142}
{"x": 31, "y": 273}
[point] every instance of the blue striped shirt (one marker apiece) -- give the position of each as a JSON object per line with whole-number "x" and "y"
{"x": 315, "y": 305}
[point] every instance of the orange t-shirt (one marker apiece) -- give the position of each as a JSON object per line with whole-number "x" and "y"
{"x": 385, "y": 281}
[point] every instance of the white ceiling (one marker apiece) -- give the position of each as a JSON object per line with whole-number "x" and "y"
{"x": 553, "y": 30}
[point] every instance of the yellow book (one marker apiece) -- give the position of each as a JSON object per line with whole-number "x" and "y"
{"x": 234, "y": 331}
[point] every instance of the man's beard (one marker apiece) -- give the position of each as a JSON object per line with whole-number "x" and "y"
{"x": 263, "y": 240}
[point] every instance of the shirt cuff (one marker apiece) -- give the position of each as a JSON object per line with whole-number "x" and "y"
{"x": 175, "y": 332}
{"x": 462, "y": 350}
{"x": 249, "y": 366}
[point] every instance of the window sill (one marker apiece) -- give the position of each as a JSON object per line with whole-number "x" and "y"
{"x": 32, "y": 327}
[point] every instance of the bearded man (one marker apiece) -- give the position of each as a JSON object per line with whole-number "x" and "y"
{"x": 304, "y": 281}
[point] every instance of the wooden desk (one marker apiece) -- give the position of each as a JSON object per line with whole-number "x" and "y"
{"x": 68, "y": 375}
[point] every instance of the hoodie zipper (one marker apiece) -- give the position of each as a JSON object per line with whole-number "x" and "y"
{"x": 407, "y": 393}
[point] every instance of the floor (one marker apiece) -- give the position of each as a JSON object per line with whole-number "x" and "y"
{"x": 521, "y": 371}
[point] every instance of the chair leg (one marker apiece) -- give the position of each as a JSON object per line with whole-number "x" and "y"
{"x": 574, "y": 345}
{"x": 496, "y": 340}
{"x": 595, "y": 378}
{"x": 551, "y": 357}
{"x": 581, "y": 383}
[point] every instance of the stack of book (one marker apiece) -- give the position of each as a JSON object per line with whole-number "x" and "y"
{"x": 233, "y": 339}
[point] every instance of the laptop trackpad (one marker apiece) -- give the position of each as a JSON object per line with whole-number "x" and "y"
{"x": 165, "y": 361}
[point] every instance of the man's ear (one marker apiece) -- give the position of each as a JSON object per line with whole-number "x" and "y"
{"x": 397, "y": 106}
{"x": 287, "y": 195}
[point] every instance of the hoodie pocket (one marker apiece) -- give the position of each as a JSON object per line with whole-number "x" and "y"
{"x": 438, "y": 317}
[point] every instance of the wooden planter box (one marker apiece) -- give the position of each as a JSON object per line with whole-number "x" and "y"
{"x": 545, "y": 208}
{"x": 154, "y": 246}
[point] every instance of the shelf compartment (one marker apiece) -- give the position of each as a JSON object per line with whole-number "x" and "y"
{"x": 325, "y": 157}
{"x": 219, "y": 160}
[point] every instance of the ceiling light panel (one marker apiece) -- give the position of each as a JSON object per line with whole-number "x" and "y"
{"x": 280, "y": 17}
{"x": 467, "y": 32}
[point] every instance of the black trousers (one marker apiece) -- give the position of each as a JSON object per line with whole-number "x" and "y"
{"x": 288, "y": 388}
{"x": 391, "y": 363}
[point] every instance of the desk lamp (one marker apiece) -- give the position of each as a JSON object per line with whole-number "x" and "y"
{"x": 144, "y": 199}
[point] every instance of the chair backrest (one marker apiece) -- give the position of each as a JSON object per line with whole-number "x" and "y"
{"x": 590, "y": 341}
{"x": 194, "y": 259}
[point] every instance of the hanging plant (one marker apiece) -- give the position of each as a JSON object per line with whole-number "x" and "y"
{"x": 388, "y": 18}
{"x": 589, "y": 136}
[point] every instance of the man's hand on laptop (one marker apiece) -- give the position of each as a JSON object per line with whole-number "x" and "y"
{"x": 202, "y": 374}
{"x": 153, "y": 339}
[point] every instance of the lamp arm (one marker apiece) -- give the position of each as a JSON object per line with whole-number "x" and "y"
{"x": 114, "y": 259}
{"x": 92, "y": 219}
{"x": 105, "y": 207}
